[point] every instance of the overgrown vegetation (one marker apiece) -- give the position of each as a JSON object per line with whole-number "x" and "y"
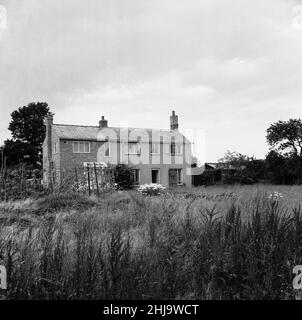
{"x": 204, "y": 244}
{"x": 236, "y": 168}
{"x": 20, "y": 182}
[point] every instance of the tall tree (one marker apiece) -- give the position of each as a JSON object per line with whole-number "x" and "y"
{"x": 28, "y": 133}
{"x": 286, "y": 137}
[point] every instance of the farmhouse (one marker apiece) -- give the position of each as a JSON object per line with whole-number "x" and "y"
{"x": 156, "y": 156}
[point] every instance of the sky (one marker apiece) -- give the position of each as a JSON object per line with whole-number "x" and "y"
{"x": 229, "y": 68}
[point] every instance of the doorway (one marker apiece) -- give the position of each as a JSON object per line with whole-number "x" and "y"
{"x": 172, "y": 177}
{"x": 155, "y": 175}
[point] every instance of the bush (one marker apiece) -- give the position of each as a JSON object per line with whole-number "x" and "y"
{"x": 283, "y": 169}
{"x": 123, "y": 177}
{"x": 152, "y": 189}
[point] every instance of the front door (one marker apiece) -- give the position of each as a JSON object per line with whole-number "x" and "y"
{"x": 172, "y": 177}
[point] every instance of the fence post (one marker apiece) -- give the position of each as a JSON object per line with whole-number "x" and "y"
{"x": 96, "y": 179}
{"x": 88, "y": 177}
{"x": 76, "y": 178}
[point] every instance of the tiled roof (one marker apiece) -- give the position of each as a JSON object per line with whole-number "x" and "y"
{"x": 76, "y": 132}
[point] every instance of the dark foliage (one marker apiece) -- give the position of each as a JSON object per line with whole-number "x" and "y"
{"x": 281, "y": 169}
{"x": 123, "y": 176}
{"x": 286, "y": 137}
{"x": 28, "y": 133}
{"x": 276, "y": 168}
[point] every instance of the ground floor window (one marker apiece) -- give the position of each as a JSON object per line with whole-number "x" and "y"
{"x": 135, "y": 173}
{"x": 155, "y": 175}
{"x": 175, "y": 177}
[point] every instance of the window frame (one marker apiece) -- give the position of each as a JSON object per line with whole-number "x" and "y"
{"x": 158, "y": 146}
{"x": 177, "y": 147}
{"x": 109, "y": 149}
{"x": 138, "y": 148}
{"x": 180, "y": 146}
{"x": 74, "y": 143}
{"x": 173, "y": 148}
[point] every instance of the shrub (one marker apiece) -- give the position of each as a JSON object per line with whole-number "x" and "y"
{"x": 152, "y": 189}
{"x": 123, "y": 176}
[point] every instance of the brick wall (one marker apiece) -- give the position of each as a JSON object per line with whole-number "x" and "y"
{"x": 72, "y": 160}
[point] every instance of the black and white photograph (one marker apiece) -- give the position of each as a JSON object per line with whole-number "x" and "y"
{"x": 150, "y": 150}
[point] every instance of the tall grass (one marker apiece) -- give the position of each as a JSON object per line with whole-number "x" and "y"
{"x": 126, "y": 246}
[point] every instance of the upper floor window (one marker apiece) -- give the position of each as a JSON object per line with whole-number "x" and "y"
{"x": 155, "y": 148}
{"x": 176, "y": 148}
{"x": 107, "y": 148}
{"x": 81, "y": 147}
{"x": 179, "y": 148}
{"x": 134, "y": 148}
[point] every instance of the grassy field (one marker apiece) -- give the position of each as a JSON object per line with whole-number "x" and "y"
{"x": 222, "y": 242}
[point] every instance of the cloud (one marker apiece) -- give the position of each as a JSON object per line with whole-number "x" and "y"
{"x": 223, "y": 66}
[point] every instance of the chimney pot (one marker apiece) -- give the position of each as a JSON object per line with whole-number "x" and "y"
{"x": 174, "y": 121}
{"x": 103, "y": 123}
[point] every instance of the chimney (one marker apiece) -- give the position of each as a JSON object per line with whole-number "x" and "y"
{"x": 48, "y": 124}
{"x": 103, "y": 123}
{"x": 48, "y": 138}
{"x": 174, "y": 121}
{"x": 49, "y": 117}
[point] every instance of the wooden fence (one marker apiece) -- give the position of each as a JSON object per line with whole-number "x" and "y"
{"x": 90, "y": 178}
